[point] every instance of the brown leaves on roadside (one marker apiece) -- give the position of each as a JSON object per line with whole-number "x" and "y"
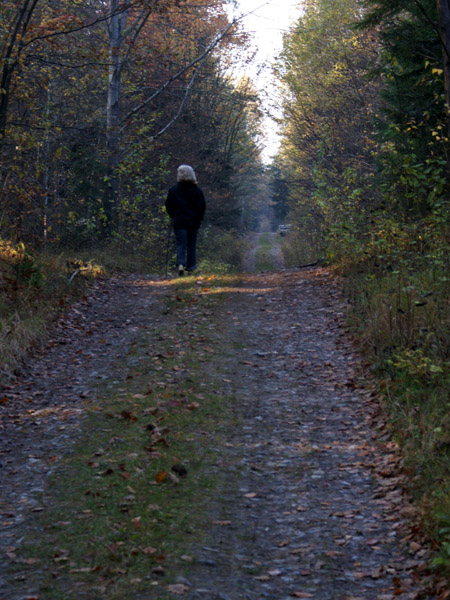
{"x": 161, "y": 476}
{"x": 193, "y": 406}
{"x": 177, "y": 588}
{"x": 128, "y": 415}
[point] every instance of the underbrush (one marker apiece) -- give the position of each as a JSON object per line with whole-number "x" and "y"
{"x": 401, "y": 312}
{"x": 33, "y": 288}
{"x": 221, "y": 251}
{"x": 299, "y": 248}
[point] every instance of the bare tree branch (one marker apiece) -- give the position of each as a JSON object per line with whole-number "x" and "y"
{"x": 216, "y": 40}
{"x": 180, "y": 108}
{"x": 101, "y": 19}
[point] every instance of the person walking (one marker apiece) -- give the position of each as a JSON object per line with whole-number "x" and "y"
{"x": 186, "y": 206}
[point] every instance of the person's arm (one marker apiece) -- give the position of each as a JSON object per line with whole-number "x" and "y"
{"x": 202, "y": 206}
{"x": 170, "y": 204}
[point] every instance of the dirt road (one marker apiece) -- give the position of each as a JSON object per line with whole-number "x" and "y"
{"x": 264, "y": 253}
{"x": 309, "y": 502}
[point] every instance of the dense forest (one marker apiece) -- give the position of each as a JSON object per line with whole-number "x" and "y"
{"x": 100, "y": 101}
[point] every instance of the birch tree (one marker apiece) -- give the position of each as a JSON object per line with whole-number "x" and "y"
{"x": 125, "y": 23}
{"x": 120, "y": 13}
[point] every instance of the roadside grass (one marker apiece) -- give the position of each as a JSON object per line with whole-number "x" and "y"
{"x": 34, "y": 287}
{"x": 128, "y": 501}
{"x": 114, "y": 260}
{"x": 402, "y": 320}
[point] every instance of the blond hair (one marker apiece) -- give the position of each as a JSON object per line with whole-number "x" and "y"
{"x": 186, "y": 173}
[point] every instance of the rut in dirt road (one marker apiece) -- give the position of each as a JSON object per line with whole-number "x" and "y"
{"x": 308, "y": 504}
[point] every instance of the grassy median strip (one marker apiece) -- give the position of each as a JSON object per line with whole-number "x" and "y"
{"x": 126, "y": 504}
{"x": 263, "y": 259}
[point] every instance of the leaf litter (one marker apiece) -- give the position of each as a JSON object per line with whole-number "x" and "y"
{"x": 311, "y": 500}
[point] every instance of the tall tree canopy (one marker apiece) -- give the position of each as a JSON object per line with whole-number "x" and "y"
{"x": 328, "y": 107}
{"x": 365, "y": 141}
{"x": 99, "y": 102}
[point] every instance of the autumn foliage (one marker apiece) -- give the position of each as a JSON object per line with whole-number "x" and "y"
{"x": 101, "y": 101}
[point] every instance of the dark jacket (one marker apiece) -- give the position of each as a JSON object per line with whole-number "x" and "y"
{"x": 186, "y": 205}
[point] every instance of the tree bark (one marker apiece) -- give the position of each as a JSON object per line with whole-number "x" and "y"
{"x": 116, "y": 25}
{"x": 11, "y": 57}
{"x": 443, "y": 9}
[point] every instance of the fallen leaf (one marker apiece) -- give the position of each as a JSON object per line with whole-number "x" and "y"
{"x": 301, "y": 595}
{"x": 30, "y": 561}
{"x": 186, "y": 558}
{"x": 250, "y": 495}
{"x": 173, "y": 478}
{"x": 161, "y": 476}
{"x": 372, "y": 541}
{"x": 126, "y": 414}
{"x": 81, "y": 570}
{"x": 193, "y": 406}
{"x": 136, "y": 522}
{"x": 177, "y": 588}
{"x": 274, "y": 572}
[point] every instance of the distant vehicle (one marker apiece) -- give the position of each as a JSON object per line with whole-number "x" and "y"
{"x": 284, "y": 229}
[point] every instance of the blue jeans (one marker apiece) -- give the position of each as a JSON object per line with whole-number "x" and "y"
{"x": 186, "y": 241}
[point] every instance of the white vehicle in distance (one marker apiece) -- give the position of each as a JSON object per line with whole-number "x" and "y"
{"x": 284, "y": 229}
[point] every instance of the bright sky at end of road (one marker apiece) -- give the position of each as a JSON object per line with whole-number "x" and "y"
{"x": 266, "y": 22}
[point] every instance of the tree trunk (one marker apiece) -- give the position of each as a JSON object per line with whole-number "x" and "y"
{"x": 443, "y": 8}
{"x": 12, "y": 51}
{"x": 116, "y": 24}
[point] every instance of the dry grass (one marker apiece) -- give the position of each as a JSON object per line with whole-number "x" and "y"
{"x": 34, "y": 287}
{"x": 403, "y": 322}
